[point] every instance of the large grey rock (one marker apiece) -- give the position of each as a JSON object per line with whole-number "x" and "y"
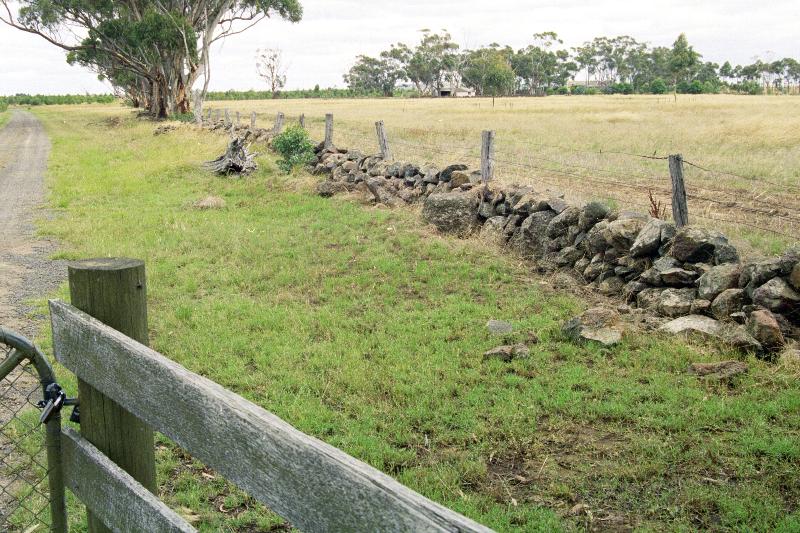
{"x": 622, "y": 233}
{"x": 492, "y": 231}
{"x": 727, "y": 302}
{"x": 377, "y": 186}
{"x": 717, "y": 279}
{"x": 777, "y": 296}
{"x": 568, "y": 256}
{"x": 531, "y": 239}
{"x": 794, "y": 277}
{"x": 560, "y": 223}
{"x": 453, "y": 212}
{"x": 329, "y": 188}
{"x": 678, "y": 277}
{"x": 447, "y": 172}
{"x": 595, "y": 241}
{"x": 611, "y": 286}
{"x": 676, "y": 302}
{"x": 596, "y": 267}
{"x": 693, "y": 324}
{"x": 649, "y": 298}
{"x": 598, "y": 324}
{"x": 591, "y": 214}
{"x": 758, "y": 273}
{"x": 649, "y": 239}
{"x": 764, "y": 327}
{"x": 699, "y": 245}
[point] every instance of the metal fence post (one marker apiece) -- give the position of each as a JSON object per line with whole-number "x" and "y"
{"x": 114, "y": 292}
{"x": 680, "y": 208}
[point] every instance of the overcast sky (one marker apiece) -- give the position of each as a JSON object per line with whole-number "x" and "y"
{"x": 324, "y": 44}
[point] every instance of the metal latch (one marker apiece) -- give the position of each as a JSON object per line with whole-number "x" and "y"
{"x": 54, "y": 400}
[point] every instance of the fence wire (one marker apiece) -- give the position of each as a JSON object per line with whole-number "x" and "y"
{"x": 24, "y": 498}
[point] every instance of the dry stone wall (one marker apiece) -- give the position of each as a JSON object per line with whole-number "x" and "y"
{"x": 691, "y": 275}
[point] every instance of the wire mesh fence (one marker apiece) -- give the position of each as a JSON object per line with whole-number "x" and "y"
{"x": 24, "y": 498}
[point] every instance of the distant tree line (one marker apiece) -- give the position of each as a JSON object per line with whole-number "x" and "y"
{"x": 316, "y": 92}
{"x": 604, "y": 65}
{"x": 55, "y": 99}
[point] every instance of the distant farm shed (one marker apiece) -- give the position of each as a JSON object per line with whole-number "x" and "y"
{"x": 456, "y": 92}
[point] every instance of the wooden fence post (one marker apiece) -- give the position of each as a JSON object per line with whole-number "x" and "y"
{"x": 328, "y": 130}
{"x": 114, "y": 292}
{"x": 253, "y": 120}
{"x": 238, "y": 118}
{"x": 227, "y": 117}
{"x": 487, "y": 157}
{"x": 680, "y": 209}
{"x": 302, "y": 121}
{"x": 278, "y": 124}
{"x": 216, "y": 115}
{"x": 209, "y": 115}
{"x": 383, "y": 141}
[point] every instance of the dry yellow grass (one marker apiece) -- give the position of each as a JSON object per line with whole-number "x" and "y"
{"x": 572, "y": 145}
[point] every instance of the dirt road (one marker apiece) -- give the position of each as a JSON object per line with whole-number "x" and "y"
{"x": 25, "y": 269}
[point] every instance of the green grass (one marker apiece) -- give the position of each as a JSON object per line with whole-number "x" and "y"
{"x": 4, "y": 116}
{"x": 357, "y": 326}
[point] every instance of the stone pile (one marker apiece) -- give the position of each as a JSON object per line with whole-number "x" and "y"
{"x": 693, "y": 274}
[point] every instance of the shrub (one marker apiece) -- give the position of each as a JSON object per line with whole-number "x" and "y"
{"x": 183, "y": 117}
{"x": 578, "y": 89}
{"x": 658, "y": 86}
{"x": 3, "y": 104}
{"x": 562, "y": 90}
{"x": 295, "y": 148}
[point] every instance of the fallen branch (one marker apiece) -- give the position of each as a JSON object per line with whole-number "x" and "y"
{"x": 236, "y": 159}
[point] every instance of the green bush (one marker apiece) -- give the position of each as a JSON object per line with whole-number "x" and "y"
{"x": 3, "y": 105}
{"x": 295, "y": 148}
{"x": 658, "y": 86}
{"x": 183, "y": 117}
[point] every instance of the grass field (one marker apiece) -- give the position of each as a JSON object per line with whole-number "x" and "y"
{"x": 586, "y": 147}
{"x": 359, "y": 327}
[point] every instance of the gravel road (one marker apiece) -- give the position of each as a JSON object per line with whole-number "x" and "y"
{"x": 26, "y": 272}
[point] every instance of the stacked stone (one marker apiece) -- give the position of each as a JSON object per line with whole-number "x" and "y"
{"x": 691, "y": 272}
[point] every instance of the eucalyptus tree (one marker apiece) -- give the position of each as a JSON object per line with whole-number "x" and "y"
{"x": 153, "y": 50}
{"x": 540, "y": 66}
{"x": 430, "y": 64}
{"x": 370, "y": 74}
{"x": 489, "y": 71}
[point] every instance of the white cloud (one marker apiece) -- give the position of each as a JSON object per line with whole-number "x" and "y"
{"x": 323, "y": 46}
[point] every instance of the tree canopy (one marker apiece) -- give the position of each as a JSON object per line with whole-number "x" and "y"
{"x": 151, "y": 51}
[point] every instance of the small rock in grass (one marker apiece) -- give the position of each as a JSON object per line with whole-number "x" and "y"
{"x": 507, "y": 353}
{"x": 594, "y": 325}
{"x": 499, "y": 327}
{"x": 210, "y": 202}
{"x": 722, "y": 370}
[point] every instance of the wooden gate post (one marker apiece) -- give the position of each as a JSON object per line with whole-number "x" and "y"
{"x": 278, "y": 124}
{"x": 487, "y": 157}
{"x": 114, "y": 291}
{"x": 680, "y": 208}
{"x": 328, "y": 130}
{"x": 383, "y": 141}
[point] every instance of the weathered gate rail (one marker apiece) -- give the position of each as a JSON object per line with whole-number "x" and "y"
{"x": 313, "y": 485}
